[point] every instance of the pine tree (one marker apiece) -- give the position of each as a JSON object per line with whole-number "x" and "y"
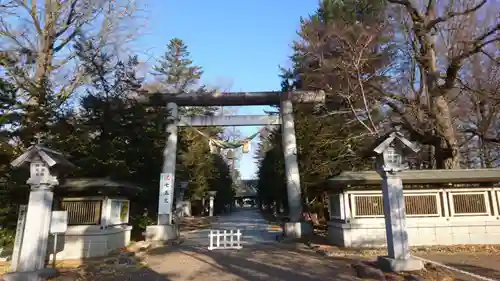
{"x": 176, "y": 74}
{"x": 10, "y": 193}
{"x": 176, "y": 71}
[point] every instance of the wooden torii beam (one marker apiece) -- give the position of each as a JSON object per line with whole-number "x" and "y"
{"x": 230, "y": 98}
{"x": 229, "y": 120}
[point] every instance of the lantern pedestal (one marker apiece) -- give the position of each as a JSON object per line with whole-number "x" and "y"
{"x": 399, "y": 255}
{"x": 390, "y": 264}
{"x": 36, "y": 232}
{"x": 296, "y": 230}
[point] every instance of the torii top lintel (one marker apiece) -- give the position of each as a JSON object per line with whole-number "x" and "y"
{"x": 233, "y": 98}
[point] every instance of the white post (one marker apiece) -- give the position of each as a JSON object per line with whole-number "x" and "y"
{"x": 347, "y": 207}
{"x": 106, "y": 209}
{"x": 494, "y": 199}
{"x": 54, "y": 251}
{"x": 290, "y": 154}
{"x": 238, "y": 234}
{"x": 169, "y": 160}
{"x": 211, "y": 210}
{"x": 211, "y": 240}
{"x": 36, "y": 231}
{"x": 395, "y": 219}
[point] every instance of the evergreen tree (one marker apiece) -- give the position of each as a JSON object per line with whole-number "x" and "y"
{"x": 11, "y": 191}
{"x": 328, "y": 140}
{"x": 176, "y": 73}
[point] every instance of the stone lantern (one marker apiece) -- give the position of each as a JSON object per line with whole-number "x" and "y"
{"x": 390, "y": 151}
{"x": 211, "y": 196}
{"x": 44, "y": 164}
{"x": 183, "y": 207}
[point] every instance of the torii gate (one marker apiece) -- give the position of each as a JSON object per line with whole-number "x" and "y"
{"x": 164, "y": 230}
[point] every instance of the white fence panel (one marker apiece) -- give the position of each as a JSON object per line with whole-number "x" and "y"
{"x": 224, "y": 239}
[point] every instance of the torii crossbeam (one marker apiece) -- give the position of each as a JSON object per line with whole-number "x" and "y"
{"x": 231, "y": 98}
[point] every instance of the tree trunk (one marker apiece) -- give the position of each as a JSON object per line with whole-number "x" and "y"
{"x": 448, "y": 152}
{"x": 46, "y": 47}
{"x": 36, "y": 112}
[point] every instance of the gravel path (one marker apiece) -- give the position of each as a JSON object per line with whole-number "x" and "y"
{"x": 261, "y": 258}
{"x": 265, "y": 262}
{"x": 255, "y": 229}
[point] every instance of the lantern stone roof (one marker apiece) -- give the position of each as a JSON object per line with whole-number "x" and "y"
{"x": 383, "y": 142}
{"x": 97, "y": 186}
{"x": 348, "y": 178}
{"x": 49, "y": 156}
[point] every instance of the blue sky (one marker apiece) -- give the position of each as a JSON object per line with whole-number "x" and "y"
{"x": 238, "y": 43}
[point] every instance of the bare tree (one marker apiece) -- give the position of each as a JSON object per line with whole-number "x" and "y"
{"x": 442, "y": 39}
{"x": 478, "y": 111}
{"x": 38, "y": 39}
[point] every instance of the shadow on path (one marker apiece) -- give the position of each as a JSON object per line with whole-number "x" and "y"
{"x": 269, "y": 262}
{"x": 261, "y": 259}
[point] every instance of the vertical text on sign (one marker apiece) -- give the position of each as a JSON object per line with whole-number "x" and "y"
{"x": 166, "y": 193}
{"x": 21, "y": 221}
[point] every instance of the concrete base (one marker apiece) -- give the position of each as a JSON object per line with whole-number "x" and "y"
{"x": 42, "y": 274}
{"x": 411, "y": 264}
{"x": 161, "y": 232}
{"x": 296, "y": 230}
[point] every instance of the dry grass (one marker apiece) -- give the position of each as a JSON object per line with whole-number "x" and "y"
{"x": 4, "y": 267}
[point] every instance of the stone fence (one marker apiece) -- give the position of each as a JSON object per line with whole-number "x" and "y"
{"x": 437, "y": 214}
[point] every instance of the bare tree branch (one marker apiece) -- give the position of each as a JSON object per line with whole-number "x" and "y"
{"x": 449, "y": 15}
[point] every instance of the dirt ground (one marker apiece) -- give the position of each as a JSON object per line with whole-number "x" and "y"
{"x": 280, "y": 261}
{"x": 483, "y": 260}
{"x": 270, "y": 262}
{"x": 483, "y": 264}
{"x": 183, "y": 263}
{"x": 251, "y": 264}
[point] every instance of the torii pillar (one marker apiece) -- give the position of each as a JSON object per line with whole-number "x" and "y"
{"x": 165, "y": 230}
{"x": 295, "y": 228}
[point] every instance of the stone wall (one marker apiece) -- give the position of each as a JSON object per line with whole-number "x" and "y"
{"x": 434, "y": 217}
{"x": 89, "y": 241}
